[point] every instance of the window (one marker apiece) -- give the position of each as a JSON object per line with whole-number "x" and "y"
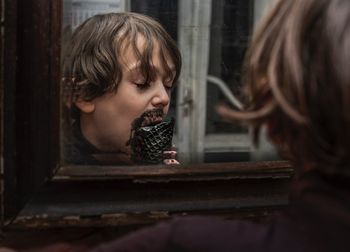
{"x": 37, "y": 189}
{"x": 213, "y": 38}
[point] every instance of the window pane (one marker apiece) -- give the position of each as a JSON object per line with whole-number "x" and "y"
{"x": 212, "y": 37}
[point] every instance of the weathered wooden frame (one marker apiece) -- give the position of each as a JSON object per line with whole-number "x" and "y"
{"x": 37, "y": 192}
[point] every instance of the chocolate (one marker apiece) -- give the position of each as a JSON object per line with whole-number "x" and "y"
{"x": 149, "y": 142}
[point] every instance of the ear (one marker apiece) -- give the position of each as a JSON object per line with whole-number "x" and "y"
{"x": 85, "y": 106}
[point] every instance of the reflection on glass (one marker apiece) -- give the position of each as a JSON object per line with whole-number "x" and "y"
{"x": 119, "y": 70}
{"x": 212, "y": 37}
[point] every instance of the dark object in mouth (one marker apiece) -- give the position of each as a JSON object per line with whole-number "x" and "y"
{"x": 148, "y": 143}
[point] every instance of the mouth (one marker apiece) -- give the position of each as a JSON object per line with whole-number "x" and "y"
{"x": 151, "y": 118}
{"x": 151, "y": 121}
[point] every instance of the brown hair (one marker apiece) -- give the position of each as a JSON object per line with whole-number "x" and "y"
{"x": 92, "y": 62}
{"x": 297, "y": 78}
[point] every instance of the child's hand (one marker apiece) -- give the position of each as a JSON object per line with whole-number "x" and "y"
{"x": 170, "y": 157}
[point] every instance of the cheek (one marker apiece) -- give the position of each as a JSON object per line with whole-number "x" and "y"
{"x": 126, "y": 105}
{"x": 135, "y": 107}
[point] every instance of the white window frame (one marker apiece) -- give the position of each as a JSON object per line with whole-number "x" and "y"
{"x": 194, "y": 42}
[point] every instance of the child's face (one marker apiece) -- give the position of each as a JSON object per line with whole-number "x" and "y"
{"x": 109, "y": 125}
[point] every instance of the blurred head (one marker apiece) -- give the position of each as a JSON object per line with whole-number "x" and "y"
{"x": 297, "y": 81}
{"x": 119, "y": 66}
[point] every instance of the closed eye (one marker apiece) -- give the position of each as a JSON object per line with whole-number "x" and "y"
{"x": 168, "y": 84}
{"x": 142, "y": 85}
{"x": 169, "y": 88}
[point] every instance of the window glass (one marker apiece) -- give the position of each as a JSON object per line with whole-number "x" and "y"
{"x": 212, "y": 37}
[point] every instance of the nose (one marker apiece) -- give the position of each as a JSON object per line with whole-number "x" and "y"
{"x": 161, "y": 97}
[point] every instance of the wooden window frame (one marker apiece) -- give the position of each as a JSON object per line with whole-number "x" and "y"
{"x": 37, "y": 192}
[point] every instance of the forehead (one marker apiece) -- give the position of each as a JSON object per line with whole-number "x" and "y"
{"x": 131, "y": 53}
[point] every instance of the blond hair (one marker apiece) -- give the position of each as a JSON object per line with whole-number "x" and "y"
{"x": 297, "y": 81}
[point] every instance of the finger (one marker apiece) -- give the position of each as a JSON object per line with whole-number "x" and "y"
{"x": 171, "y": 162}
{"x": 169, "y": 154}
